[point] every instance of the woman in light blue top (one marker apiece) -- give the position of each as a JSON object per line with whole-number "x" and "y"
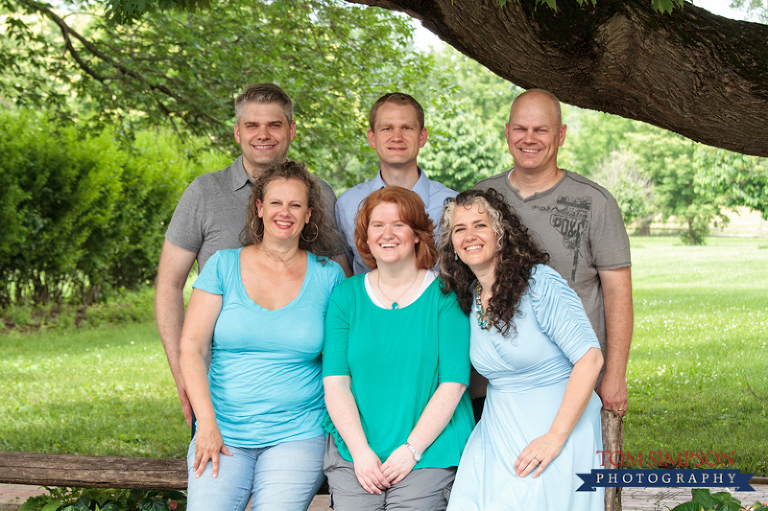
{"x": 259, "y": 312}
{"x": 531, "y": 339}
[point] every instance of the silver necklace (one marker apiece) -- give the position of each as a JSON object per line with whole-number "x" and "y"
{"x": 395, "y": 305}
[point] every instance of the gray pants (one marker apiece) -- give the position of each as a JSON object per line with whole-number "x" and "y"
{"x": 425, "y": 489}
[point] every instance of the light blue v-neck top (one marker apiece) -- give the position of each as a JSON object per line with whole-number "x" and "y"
{"x": 265, "y": 375}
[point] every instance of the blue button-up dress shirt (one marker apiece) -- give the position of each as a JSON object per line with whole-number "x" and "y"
{"x": 431, "y": 192}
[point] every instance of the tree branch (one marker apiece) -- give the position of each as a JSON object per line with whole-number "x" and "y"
{"x": 692, "y": 72}
{"x": 68, "y": 33}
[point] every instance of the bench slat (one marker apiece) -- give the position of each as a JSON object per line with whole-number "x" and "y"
{"x": 92, "y": 471}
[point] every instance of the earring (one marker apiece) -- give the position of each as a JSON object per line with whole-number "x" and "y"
{"x": 455, "y": 256}
{"x": 308, "y": 226}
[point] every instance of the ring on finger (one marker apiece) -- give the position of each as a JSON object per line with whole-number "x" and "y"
{"x": 537, "y": 459}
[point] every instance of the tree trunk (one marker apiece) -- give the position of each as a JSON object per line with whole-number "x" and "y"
{"x": 695, "y": 73}
{"x": 645, "y": 227}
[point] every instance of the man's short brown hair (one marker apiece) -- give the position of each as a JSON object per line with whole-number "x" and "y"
{"x": 399, "y": 98}
{"x": 264, "y": 93}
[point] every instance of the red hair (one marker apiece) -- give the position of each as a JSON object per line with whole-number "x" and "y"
{"x": 412, "y": 213}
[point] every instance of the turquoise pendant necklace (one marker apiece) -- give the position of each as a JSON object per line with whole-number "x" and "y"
{"x": 395, "y": 305}
{"x": 483, "y": 319}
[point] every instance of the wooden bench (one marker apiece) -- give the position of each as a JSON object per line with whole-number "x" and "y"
{"x": 92, "y": 471}
{"x": 111, "y": 472}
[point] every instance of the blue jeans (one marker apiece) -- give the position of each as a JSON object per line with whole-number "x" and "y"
{"x": 284, "y": 477}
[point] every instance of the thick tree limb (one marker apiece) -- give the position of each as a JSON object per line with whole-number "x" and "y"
{"x": 692, "y": 72}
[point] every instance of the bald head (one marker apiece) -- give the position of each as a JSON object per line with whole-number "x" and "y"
{"x": 540, "y": 95}
{"x": 535, "y": 132}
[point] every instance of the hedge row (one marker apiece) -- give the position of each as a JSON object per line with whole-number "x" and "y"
{"x": 82, "y": 214}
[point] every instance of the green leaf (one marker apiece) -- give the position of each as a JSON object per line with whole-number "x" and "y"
{"x": 53, "y": 505}
{"x": 153, "y": 504}
{"x": 82, "y": 504}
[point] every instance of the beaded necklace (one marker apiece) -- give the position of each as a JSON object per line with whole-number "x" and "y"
{"x": 483, "y": 319}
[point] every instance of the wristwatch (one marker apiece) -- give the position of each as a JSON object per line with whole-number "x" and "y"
{"x": 416, "y": 454}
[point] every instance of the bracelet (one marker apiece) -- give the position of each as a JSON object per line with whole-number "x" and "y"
{"x": 416, "y": 454}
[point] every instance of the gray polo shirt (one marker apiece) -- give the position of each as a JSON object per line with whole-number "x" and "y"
{"x": 212, "y": 211}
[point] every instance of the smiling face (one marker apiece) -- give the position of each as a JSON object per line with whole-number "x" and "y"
{"x": 390, "y": 240}
{"x": 473, "y": 237}
{"x": 534, "y": 133}
{"x": 264, "y": 135}
{"x": 397, "y": 136}
{"x": 284, "y": 209}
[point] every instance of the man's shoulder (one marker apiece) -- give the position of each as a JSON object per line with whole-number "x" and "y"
{"x": 221, "y": 178}
{"x": 493, "y": 181}
{"x": 439, "y": 189}
{"x": 323, "y": 183}
{"x": 353, "y": 196}
{"x": 574, "y": 180}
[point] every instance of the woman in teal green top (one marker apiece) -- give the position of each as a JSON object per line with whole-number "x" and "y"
{"x": 395, "y": 367}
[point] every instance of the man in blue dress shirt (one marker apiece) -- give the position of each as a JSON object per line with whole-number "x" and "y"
{"x": 397, "y": 133}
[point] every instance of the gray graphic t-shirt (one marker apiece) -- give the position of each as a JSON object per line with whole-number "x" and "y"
{"x": 579, "y": 224}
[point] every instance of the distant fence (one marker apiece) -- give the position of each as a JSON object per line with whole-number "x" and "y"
{"x": 743, "y": 223}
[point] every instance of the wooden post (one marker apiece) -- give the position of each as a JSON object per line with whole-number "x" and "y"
{"x": 613, "y": 440}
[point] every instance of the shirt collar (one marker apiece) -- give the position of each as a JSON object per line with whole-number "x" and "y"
{"x": 239, "y": 176}
{"x": 421, "y": 188}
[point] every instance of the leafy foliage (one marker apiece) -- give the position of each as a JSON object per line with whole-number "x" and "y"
{"x": 740, "y": 180}
{"x": 621, "y": 173}
{"x": 669, "y": 161}
{"x": 703, "y": 500}
{"x": 184, "y": 69}
{"x": 466, "y": 142}
{"x": 125, "y": 11}
{"x": 82, "y": 499}
{"x": 688, "y": 181}
{"x": 80, "y": 214}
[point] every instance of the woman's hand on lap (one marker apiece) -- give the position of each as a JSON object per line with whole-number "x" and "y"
{"x": 368, "y": 471}
{"x": 538, "y": 455}
{"x": 399, "y": 464}
{"x": 208, "y": 444}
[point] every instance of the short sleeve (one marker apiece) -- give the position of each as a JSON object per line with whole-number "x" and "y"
{"x": 336, "y": 339}
{"x": 453, "y": 338}
{"x": 329, "y": 207}
{"x": 610, "y": 241}
{"x": 333, "y": 275}
{"x": 561, "y": 314}
{"x": 185, "y": 229}
{"x": 211, "y": 278}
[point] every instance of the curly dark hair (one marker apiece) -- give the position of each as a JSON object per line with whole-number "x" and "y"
{"x": 317, "y": 236}
{"x": 517, "y": 252}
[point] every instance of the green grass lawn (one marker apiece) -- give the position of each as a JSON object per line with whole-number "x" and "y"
{"x": 697, "y": 371}
{"x": 701, "y": 323}
{"x": 104, "y": 391}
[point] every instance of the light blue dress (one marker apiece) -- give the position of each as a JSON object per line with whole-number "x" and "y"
{"x": 528, "y": 370}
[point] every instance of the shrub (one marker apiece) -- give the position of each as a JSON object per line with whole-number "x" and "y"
{"x": 82, "y": 215}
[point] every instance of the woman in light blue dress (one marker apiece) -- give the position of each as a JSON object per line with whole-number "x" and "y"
{"x": 532, "y": 340}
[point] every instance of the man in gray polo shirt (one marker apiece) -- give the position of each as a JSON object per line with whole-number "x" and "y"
{"x": 212, "y": 211}
{"x": 397, "y": 133}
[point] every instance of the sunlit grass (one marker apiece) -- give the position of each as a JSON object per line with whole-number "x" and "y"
{"x": 699, "y": 356}
{"x": 99, "y": 392}
{"x": 697, "y": 374}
